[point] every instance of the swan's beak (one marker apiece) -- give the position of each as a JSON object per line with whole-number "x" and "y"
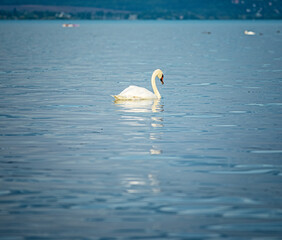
{"x": 162, "y": 79}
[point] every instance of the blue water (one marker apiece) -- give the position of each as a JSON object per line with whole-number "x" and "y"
{"x": 204, "y": 162}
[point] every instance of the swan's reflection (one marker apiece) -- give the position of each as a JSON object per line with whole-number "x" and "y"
{"x": 140, "y": 184}
{"x": 143, "y": 106}
{"x": 143, "y": 114}
{"x": 150, "y": 105}
{"x": 155, "y": 151}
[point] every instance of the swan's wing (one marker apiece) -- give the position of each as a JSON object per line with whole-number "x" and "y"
{"x": 135, "y": 92}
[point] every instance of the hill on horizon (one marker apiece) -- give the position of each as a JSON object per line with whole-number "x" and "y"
{"x": 147, "y": 9}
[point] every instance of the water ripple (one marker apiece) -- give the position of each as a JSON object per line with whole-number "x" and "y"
{"x": 203, "y": 162}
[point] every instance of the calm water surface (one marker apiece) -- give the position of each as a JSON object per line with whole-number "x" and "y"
{"x": 204, "y": 162}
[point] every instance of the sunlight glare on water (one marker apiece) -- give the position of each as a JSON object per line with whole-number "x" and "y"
{"x": 203, "y": 162}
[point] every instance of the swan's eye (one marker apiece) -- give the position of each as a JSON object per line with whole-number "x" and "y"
{"x": 162, "y": 79}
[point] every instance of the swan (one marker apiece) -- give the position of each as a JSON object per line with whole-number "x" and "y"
{"x": 249, "y": 32}
{"x": 139, "y": 93}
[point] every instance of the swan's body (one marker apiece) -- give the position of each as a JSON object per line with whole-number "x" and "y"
{"x": 249, "y": 32}
{"x": 135, "y": 92}
{"x": 139, "y": 93}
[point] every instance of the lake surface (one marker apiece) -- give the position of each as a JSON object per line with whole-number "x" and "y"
{"x": 204, "y": 162}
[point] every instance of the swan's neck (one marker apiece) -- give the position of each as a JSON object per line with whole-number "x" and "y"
{"x": 153, "y": 82}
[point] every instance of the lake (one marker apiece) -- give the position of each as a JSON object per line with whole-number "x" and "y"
{"x": 203, "y": 162}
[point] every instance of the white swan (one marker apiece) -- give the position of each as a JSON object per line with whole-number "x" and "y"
{"x": 249, "y": 32}
{"x": 139, "y": 93}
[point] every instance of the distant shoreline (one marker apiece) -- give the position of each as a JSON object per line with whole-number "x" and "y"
{"x": 50, "y": 12}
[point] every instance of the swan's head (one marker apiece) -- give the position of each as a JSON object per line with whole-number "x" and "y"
{"x": 160, "y": 75}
